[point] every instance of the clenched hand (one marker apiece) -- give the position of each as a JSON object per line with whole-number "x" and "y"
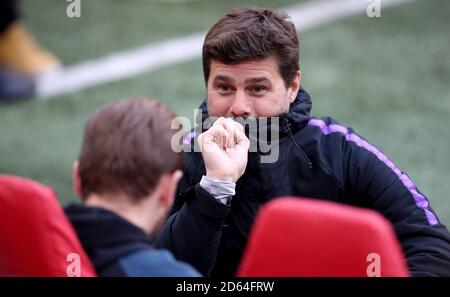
{"x": 224, "y": 149}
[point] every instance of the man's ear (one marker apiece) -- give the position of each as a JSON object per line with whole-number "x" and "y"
{"x": 76, "y": 180}
{"x": 294, "y": 86}
{"x": 168, "y": 187}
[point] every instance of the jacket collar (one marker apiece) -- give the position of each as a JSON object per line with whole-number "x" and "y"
{"x": 105, "y": 235}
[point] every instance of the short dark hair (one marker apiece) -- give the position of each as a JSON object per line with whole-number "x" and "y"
{"x": 253, "y": 34}
{"x": 127, "y": 147}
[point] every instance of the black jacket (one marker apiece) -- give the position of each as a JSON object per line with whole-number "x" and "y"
{"x": 117, "y": 247}
{"x": 320, "y": 158}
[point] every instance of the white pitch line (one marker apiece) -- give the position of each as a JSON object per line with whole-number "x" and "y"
{"x": 154, "y": 56}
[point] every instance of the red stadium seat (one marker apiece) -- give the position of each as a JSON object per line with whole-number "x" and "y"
{"x": 303, "y": 237}
{"x": 36, "y": 238}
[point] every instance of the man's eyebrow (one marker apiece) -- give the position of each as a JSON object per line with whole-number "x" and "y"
{"x": 256, "y": 80}
{"x": 223, "y": 78}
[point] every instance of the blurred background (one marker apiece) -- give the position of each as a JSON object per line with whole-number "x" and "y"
{"x": 388, "y": 77}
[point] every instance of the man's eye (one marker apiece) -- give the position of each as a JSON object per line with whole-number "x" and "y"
{"x": 224, "y": 88}
{"x": 259, "y": 90}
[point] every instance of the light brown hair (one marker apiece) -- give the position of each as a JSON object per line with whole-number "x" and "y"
{"x": 127, "y": 147}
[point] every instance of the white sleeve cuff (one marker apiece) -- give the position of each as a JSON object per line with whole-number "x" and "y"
{"x": 221, "y": 190}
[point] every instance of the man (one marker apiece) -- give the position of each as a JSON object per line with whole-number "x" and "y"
{"x": 126, "y": 175}
{"x": 251, "y": 70}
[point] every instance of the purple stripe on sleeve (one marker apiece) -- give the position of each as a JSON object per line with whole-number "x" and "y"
{"x": 187, "y": 139}
{"x": 420, "y": 200}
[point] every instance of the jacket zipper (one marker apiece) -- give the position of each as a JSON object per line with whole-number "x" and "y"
{"x": 300, "y": 151}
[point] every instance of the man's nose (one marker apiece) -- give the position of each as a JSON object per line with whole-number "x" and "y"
{"x": 241, "y": 105}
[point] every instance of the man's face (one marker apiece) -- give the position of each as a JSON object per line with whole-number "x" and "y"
{"x": 249, "y": 89}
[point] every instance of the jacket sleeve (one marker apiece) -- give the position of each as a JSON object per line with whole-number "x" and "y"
{"x": 193, "y": 230}
{"x": 374, "y": 181}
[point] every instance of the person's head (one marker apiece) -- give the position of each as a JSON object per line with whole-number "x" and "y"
{"x": 250, "y": 64}
{"x": 126, "y": 159}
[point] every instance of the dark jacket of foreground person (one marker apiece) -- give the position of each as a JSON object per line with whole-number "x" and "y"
{"x": 117, "y": 247}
